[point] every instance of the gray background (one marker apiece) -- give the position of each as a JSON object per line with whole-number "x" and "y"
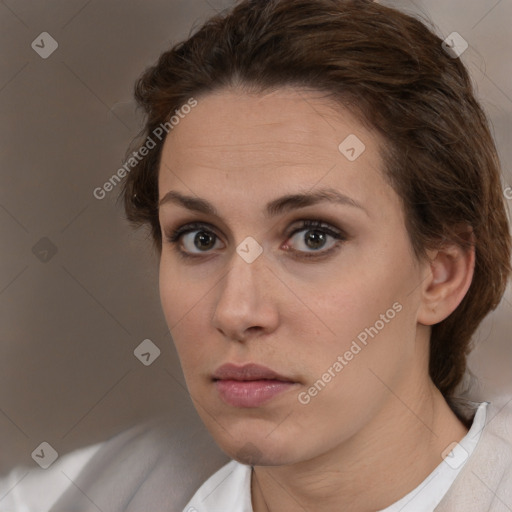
{"x": 69, "y": 325}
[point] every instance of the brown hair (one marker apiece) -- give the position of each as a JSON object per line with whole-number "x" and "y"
{"x": 392, "y": 72}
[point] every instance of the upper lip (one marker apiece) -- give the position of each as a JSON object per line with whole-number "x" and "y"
{"x": 247, "y": 372}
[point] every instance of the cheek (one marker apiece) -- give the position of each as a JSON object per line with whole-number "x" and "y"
{"x": 184, "y": 306}
{"x": 365, "y": 301}
{"x": 179, "y": 304}
{"x": 180, "y": 294}
{"x": 168, "y": 287}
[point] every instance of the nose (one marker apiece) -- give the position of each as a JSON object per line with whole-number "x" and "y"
{"x": 246, "y": 305}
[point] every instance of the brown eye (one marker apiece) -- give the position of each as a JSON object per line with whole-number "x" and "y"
{"x": 198, "y": 239}
{"x": 312, "y": 237}
{"x": 195, "y": 238}
{"x": 203, "y": 240}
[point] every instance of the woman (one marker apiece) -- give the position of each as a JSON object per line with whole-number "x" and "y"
{"x": 324, "y": 193}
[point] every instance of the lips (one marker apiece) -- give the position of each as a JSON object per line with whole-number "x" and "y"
{"x": 250, "y": 385}
{"x": 247, "y": 372}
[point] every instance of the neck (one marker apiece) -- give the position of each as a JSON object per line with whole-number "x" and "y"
{"x": 383, "y": 462}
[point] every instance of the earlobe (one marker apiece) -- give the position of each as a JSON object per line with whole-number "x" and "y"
{"x": 449, "y": 273}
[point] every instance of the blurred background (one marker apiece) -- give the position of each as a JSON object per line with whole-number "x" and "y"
{"x": 78, "y": 286}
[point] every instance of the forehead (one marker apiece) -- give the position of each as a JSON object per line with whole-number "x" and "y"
{"x": 234, "y": 144}
{"x": 288, "y": 122}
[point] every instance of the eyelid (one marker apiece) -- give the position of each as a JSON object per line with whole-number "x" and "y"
{"x": 338, "y": 234}
{"x": 304, "y": 223}
{"x": 175, "y": 234}
{"x": 172, "y": 235}
{"x": 315, "y": 223}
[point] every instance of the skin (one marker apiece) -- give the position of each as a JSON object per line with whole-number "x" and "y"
{"x": 378, "y": 429}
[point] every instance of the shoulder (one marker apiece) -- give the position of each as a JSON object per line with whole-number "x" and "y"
{"x": 485, "y": 481}
{"x": 143, "y": 467}
{"x": 228, "y": 489}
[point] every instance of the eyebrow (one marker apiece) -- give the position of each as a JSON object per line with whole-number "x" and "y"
{"x": 275, "y": 207}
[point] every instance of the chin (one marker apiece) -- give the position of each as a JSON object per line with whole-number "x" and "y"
{"x": 258, "y": 452}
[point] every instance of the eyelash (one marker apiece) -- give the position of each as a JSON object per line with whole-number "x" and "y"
{"x": 313, "y": 225}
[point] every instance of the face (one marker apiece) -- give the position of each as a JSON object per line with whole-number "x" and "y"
{"x": 300, "y": 264}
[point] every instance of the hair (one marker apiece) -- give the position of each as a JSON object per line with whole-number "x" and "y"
{"x": 392, "y": 72}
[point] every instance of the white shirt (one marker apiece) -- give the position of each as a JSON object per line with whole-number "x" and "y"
{"x": 157, "y": 466}
{"x": 36, "y": 489}
{"x": 229, "y": 489}
{"x": 140, "y": 469}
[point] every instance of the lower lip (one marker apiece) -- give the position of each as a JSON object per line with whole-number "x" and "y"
{"x": 250, "y": 393}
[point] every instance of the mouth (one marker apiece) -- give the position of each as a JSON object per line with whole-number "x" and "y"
{"x": 250, "y": 385}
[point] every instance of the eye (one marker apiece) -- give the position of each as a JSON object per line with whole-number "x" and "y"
{"x": 313, "y": 235}
{"x": 195, "y": 235}
{"x": 199, "y": 238}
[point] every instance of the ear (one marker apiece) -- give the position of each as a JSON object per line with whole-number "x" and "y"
{"x": 448, "y": 275}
